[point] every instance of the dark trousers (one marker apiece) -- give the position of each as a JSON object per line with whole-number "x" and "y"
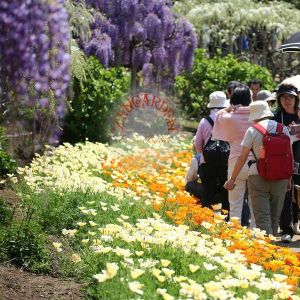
{"x": 246, "y": 215}
{"x": 289, "y": 214}
{"x": 213, "y": 179}
{"x": 195, "y": 188}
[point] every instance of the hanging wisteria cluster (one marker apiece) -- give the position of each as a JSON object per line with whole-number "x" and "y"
{"x": 34, "y": 59}
{"x": 144, "y": 35}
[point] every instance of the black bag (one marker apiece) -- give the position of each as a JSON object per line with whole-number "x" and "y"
{"x": 216, "y": 152}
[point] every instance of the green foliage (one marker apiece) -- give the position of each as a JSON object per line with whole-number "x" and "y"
{"x": 80, "y": 19}
{"x": 25, "y": 245}
{"x": 56, "y": 211}
{"x": 209, "y": 75}
{"x": 7, "y": 164}
{"x": 94, "y": 101}
{"x": 5, "y": 213}
{"x": 78, "y": 63}
{"x": 3, "y": 139}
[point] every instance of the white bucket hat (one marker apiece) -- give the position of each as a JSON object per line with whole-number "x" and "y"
{"x": 259, "y": 109}
{"x": 217, "y": 99}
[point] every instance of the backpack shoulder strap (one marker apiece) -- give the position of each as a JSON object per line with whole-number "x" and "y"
{"x": 210, "y": 121}
{"x": 260, "y": 128}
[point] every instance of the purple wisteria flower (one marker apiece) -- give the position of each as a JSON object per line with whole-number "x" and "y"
{"x": 140, "y": 34}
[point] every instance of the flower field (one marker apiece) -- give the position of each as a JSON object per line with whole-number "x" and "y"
{"x": 124, "y": 224}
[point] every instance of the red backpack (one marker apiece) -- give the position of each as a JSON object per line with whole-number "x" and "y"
{"x": 276, "y": 158}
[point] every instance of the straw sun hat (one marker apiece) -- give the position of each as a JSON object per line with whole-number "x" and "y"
{"x": 218, "y": 100}
{"x": 259, "y": 109}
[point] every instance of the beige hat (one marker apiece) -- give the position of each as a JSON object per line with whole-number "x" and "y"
{"x": 259, "y": 109}
{"x": 218, "y": 99}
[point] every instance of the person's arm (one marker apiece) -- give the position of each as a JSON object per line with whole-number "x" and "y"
{"x": 203, "y": 131}
{"x": 229, "y": 184}
{"x": 192, "y": 173}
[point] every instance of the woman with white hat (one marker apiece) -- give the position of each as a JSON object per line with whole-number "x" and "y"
{"x": 267, "y": 196}
{"x": 212, "y": 177}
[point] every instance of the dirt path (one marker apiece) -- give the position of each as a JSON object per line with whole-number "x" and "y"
{"x": 16, "y": 284}
{"x": 294, "y": 245}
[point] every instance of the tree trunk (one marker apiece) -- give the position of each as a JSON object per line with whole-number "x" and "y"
{"x": 133, "y": 78}
{"x": 266, "y": 42}
{"x": 133, "y": 70}
{"x": 230, "y": 46}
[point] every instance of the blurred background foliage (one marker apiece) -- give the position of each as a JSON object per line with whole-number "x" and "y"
{"x": 214, "y": 74}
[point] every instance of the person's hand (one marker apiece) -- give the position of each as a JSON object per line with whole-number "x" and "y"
{"x": 221, "y": 111}
{"x": 232, "y": 108}
{"x": 229, "y": 184}
{"x": 292, "y": 123}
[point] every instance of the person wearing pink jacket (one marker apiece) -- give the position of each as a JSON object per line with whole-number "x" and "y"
{"x": 230, "y": 125}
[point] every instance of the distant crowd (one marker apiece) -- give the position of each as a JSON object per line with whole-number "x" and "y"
{"x": 247, "y": 155}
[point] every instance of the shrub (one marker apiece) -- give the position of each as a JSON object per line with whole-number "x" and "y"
{"x": 25, "y": 245}
{"x": 3, "y": 139}
{"x": 93, "y": 103}
{"x": 209, "y": 75}
{"x": 5, "y": 213}
{"x": 7, "y": 164}
{"x": 56, "y": 211}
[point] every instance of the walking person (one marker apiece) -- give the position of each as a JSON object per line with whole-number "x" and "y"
{"x": 288, "y": 114}
{"x": 231, "y": 125}
{"x": 267, "y": 190}
{"x": 212, "y": 177}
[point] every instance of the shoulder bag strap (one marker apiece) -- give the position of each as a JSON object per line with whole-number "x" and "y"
{"x": 260, "y": 128}
{"x": 209, "y": 120}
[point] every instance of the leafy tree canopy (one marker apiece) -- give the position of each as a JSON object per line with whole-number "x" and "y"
{"x": 209, "y": 75}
